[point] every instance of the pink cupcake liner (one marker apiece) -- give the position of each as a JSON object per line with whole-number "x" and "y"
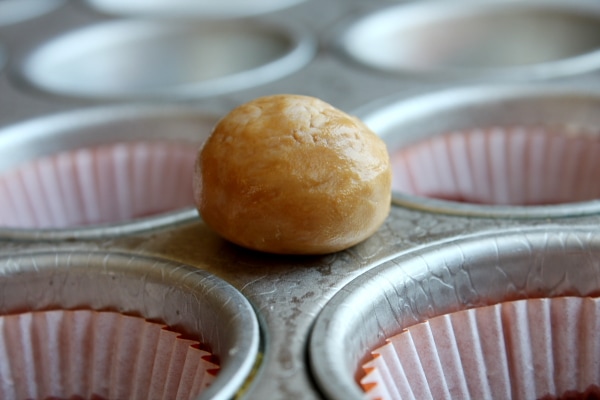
{"x": 105, "y": 184}
{"x": 519, "y": 165}
{"x": 525, "y": 349}
{"x": 98, "y": 354}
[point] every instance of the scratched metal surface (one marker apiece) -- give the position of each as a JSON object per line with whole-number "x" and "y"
{"x": 287, "y": 293}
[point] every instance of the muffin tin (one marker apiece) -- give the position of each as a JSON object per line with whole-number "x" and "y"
{"x": 124, "y": 83}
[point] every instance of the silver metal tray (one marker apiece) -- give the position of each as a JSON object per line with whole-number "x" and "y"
{"x": 85, "y": 74}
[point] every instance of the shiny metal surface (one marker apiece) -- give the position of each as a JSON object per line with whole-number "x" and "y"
{"x": 453, "y": 275}
{"x": 401, "y": 122}
{"x": 91, "y": 127}
{"x": 494, "y": 39}
{"x": 287, "y": 293}
{"x": 183, "y": 297}
{"x": 203, "y": 9}
{"x": 16, "y": 11}
{"x": 136, "y": 58}
{"x": 2, "y": 57}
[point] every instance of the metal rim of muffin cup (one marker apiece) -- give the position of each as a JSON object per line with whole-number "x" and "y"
{"x": 452, "y": 275}
{"x": 403, "y": 121}
{"x": 191, "y": 301}
{"x": 48, "y": 135}
{"x": 164, "y": 59}
{"x": 416, "y": 39}
{"x": 191, "y": 9}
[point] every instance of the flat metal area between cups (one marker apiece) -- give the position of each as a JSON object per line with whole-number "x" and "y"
{"x": 402, "y": 121}
{"x": 453, "y": 275}
{"x": 494, "y": 39}
{"x": 47, "y": 135}
{"x": 124, "y": 59}
{"x": 181, "y": 296}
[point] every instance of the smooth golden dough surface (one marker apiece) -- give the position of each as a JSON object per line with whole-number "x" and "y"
{"x": 291, "y": 174}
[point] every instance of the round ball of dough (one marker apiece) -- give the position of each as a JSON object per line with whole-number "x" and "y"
{"x": 291, "y": 174}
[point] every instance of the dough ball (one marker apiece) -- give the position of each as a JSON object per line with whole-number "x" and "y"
{"x": 291, "y": 174}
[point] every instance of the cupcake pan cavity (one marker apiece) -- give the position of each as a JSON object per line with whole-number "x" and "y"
{"x": 507, "y": 151}
{"x": 96, "y": 83}
{"x": 495, "y": 39}
{"x": 159, "y": 58}
{"x": 457, "y": 275}
{"x": 100, "y": 171}
{"x": 196, "y": 305}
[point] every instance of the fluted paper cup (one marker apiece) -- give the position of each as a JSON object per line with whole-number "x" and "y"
{"x": 512, "y": 165}
{"x": 99, "y": 354}
{"x": 99, "y": 185}
{"x": 100, "y": 172}
{"x": 526, "y": 349}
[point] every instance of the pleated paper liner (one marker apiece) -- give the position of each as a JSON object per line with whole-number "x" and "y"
{"x": 512, "y": 165}
{"x": 98, "y": 354}
{"x": 110, "y": 183}
{"x": 526, "y": 349}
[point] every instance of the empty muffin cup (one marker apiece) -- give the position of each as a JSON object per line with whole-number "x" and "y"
{"x": 111, "y": 325}
{"x": 469, "y": 39}
{"x": 493, "y": 151}
{"x": 481, "y": 307}
{"x": 100, "y": 171}
{"x": 166, "y": 59}
{"x": 203, "y": 9}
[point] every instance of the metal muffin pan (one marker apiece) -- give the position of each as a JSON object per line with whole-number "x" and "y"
{"x": 494, "y": 39}
{"x": 130, "y": 128}
{"x": 183, "y": 297}
{"x": 568, "y": 111}
{"x": 287, "y": 293}
{"x": 447, "y": 277}
{"x": 160, "y": 58}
